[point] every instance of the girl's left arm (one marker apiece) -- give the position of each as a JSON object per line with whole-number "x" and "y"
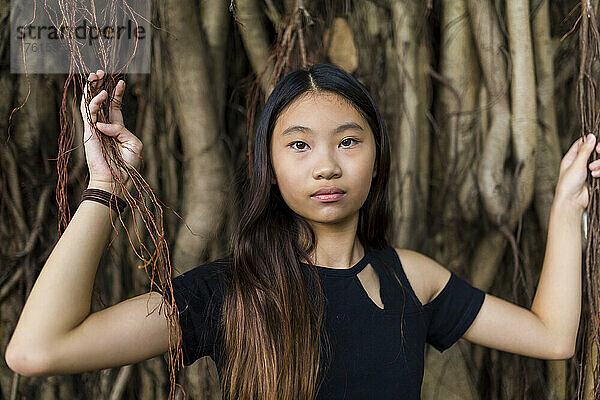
{"x": 549, "y": 329}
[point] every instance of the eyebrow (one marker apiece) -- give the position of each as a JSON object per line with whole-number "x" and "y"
{"x": 341, "y": 128}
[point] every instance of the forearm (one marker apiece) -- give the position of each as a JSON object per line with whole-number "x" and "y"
{"x": 61, "y": 296}
{"x": 558, "y": 297}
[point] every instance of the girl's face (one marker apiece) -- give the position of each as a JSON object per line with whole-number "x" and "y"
{"x": 321, "y": 142}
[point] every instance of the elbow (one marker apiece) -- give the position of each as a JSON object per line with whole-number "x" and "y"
{"x": 26, "y": 363}
{"x": 564, "y": 355}
{"x": 569, "y": 348}
{"x": 563, "y": 352}
{"x": 569, "y": 353}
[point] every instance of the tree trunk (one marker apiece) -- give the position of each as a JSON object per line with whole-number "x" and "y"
{"x": 404, "y": 162}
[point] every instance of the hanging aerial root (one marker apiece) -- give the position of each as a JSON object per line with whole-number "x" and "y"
{"x": 127, "y": 180}
{"x": 587, "y": 102}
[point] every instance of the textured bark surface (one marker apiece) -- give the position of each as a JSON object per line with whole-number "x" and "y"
{"x": 490, "y": 46}
{"x": 523, "y": 104}
{"x": 205, "y": 172}
{"x": 405, "y": 17}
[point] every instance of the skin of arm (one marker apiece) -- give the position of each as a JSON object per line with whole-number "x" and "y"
{"x": 549, "y": 329}
{"x": 558, "y": 297}
{"x": 56, "y": 334}
{"x": 499, "y": 324}
{"x": 70, "y": 270}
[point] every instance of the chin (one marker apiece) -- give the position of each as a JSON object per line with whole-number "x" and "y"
{"x": 331, "y": 216}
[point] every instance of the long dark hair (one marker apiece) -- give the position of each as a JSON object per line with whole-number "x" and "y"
{"x": 273, "y": 310}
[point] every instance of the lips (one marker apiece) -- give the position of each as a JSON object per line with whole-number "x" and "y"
{"x": 327, "y": 191}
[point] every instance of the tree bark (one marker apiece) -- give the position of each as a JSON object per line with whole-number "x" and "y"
{"x": 255, "y": 40}
{"x": 404, "y": 161}
{"x": 206, "y": 175}
{"x": 490, "y": 43}
{"x": 549, "y": 154}
{"x": 523, "y": 97}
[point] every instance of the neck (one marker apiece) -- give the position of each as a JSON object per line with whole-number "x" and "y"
{"x": 337, "y": 244}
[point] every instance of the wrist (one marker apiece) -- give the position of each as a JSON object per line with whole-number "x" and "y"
{"x": 106, "y": 186}
{"x": 104, "y": 197}
{"x": 565, "y": 206}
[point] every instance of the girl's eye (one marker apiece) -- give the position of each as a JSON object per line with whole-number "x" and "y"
{"x": 301, "y": 147}
{"x": 347, "y": 143}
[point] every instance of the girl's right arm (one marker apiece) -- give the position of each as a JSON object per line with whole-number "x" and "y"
{"x": 56, "y": 334}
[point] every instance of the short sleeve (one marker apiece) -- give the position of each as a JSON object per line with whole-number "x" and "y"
{"x": 452, "y": 312}
{"x": 198, "y": 294}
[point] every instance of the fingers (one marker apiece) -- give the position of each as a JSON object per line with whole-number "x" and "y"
{"x": 570, "y": 155}
{"x": 94, "y": 82}
{"x": 114, "y": 130}
{"x": 94, "y": 106}
{"x": 114, "y": 113}
{"x": 585, "y": 149}
{"x": 580, "y": 150}
{"x": 100, "y": 81}
{"x": 127, "y": 140}
{"x": 575, "y": 147}
{"x": 119, "y": 132}
{"x": 594, "y": 166}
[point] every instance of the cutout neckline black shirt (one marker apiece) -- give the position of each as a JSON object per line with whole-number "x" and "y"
{"x": 350, "y": 271}
{"x": 376, "y": 353}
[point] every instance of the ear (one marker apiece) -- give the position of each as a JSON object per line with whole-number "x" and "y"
{"x": 374, "y": 172}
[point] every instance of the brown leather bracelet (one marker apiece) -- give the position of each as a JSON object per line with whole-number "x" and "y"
{"x": 103, "y": 197}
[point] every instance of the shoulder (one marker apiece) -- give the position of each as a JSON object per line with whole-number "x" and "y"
{"x": 426, "y": 276}
{"x": 206, "y": 277}
{"x": 214, "y": 267}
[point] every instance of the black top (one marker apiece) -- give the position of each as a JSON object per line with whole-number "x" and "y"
{"x": 369, "y": 359}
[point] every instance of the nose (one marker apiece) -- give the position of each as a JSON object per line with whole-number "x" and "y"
{"x": 327, "y": 168}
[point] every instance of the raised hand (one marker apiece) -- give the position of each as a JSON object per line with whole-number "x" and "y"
{"x": 573, "y": 172}
{"x": 129, "y": 145}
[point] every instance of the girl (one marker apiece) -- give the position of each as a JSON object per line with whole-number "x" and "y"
{"x": 311, "y": 301}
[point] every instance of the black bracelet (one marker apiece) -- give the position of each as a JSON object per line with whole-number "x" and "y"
{"x": 103, "y": 197}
